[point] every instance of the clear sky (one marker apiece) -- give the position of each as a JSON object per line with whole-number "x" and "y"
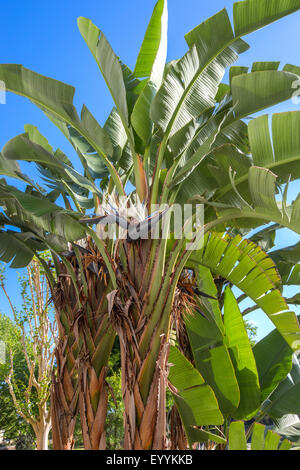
{"x": 44, "y": 37}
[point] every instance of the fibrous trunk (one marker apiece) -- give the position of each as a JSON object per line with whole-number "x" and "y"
{"x": 144, "y": 350}
{"x": 97, "y": 336}
{"x": 86, "y": 339}
{"x": 64, "y": 399}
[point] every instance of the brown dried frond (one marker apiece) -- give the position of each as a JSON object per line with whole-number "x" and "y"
{"x": 57, "y": 295}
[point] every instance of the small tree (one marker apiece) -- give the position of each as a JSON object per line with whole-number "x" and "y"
{"x": 37, "y": 337}
{"x": 11, "y": 423}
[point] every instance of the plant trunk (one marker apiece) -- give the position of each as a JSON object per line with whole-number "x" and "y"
{"x": 145, "y": 420}
{"x": 144, "y": 352}
{"x": 42, "y": 436}
{"x": 97, "y": 338}
{"x": 64, "y": 390}
{"x": 89, "y": 338}
{"x": 93, "y": 391}
{"x": 63, "y": 417}
{"x": 93, "y": 412}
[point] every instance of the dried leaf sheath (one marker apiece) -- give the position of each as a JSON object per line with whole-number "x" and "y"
{"x": 88, "y": 339}
{"x": 144, "y": 371}
{"x": 64, "y": 393}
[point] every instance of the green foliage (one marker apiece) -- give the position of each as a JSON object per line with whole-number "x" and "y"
{"x": 261, "y": 438}
{"x": 178, "y": 135}
{"x": 25, "y": 442}
{"x": 259, "y": 381}
{"x": 11, "y": 422}
{"x": 115, "y": 410}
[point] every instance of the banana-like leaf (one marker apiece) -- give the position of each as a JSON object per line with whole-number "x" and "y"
{"x": 249, "y": 268}
{"x": 215, "y": 34}
{"x": 284, "y": 160}
{"x": 206, "y": 137}
{"x": 214, "y": 363}
{"x": 281, "y": 152}
{"x": 250, "y": 15}
{"x": 150, "y": 64}
{"x": 288, "y": 426}
{"x": 287, "y": 261}
{"x": 140, "y": 117}
{"x": 285, "y": 398}
{"x": 237, "y": 341}
{"x": 33, "y": 147}
{"x": 18, "y": 248}
{"x": 115, "y": 129}
{"x": 261, "y": 439}
{"x": 191, "y": 390}
{"x": 272, "y": 367}
{"x": 12, "y": 170}
{"x": 188, "y": 89}
{"x": 237, "y": 437}
{"x": 38, "y": 206}
{"x": 264, "y": 208}
{"x": 56, "y": 101}
{"x": 108, "y": 63}
{"x": 152, "y": 56}
{"x": 207, "y": 339}
{"x": 37, "y": 213}
{"x": 260, "y": 90}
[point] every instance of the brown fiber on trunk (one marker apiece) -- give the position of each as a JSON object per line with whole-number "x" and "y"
{"x": 177, "y": 438}
{"x": 62, "y": 418}
{"x": 144, "y": 362}
{"x": 88, "y": 337}
{"x": 64, "y": 392}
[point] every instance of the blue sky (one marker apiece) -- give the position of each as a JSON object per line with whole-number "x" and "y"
{"x": 43, "y": 36}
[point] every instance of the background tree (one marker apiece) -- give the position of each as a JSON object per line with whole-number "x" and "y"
{"x": 11, "y": 423}
{"x": 34, "y": 323}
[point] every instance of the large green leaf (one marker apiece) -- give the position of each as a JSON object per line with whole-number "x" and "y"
{"x": 273, "y": 357}
{"x": 188, "y": 89}
{"x": 192, "y": 391}
{"x": 206, "y": 173}
{"x": 281, "y": 152}
{"x": 34, "y": 212}
{"x": 288, "y": 426}
{"x": 285, "y": 398}
{"x": 265, "y": 208}
{"x": 287, "y": 261}
{"x": 237, "y": 341}
{"x": 56, "y": 100}
{"x": 248, "y": 267}
{"x": 210, "y": 352}
{"x": 214, "y": 35}
{"x": 260, "y": 90}
{"x": 12, "y": 170}
{"x": 152, "y": 56}
{"x": 50, "y": 94}
{"x": 108, "y": 63}
{"x": 14, "y": 249}
{"x": 284, "y": 160}
{"x": 250, "y": 15}
{"x": 262, "y": 439}
{"x": 237, "y": 438}
{"x": 31, "y": 148}
{"x": 140, "y": 117}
